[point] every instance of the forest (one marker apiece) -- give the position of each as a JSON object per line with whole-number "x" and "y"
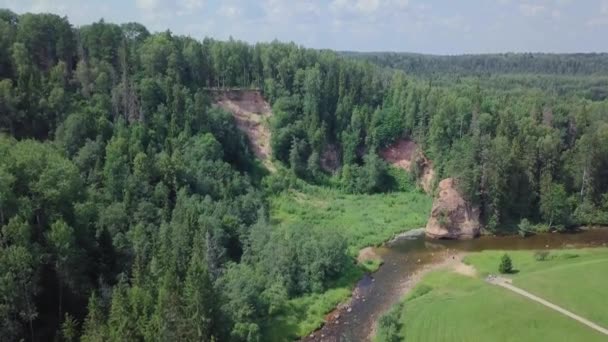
{"x": 132, "y": 209}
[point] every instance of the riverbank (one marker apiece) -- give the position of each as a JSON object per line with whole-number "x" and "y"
{"x": 450, "y": 260}
{"x": 364, "y": 221}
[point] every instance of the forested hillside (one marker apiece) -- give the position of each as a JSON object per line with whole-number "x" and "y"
{"x": 131, "y": 209}
{"x": 506, "y": 63}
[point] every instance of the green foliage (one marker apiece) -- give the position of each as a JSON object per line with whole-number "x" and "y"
{"x": 524, "y": 228}
{"x": 363, "y": 220}
{"x": 390, "y": 325}
{"x": 420, "y": 291}
{"x": 400, "y": 180}
{"x": 506, "y": 265}
{"x": 121, "y": 183}
{"x": 370, "y": 178}
{"x": 541, "y": 255}
{"x": 554, "y": 205}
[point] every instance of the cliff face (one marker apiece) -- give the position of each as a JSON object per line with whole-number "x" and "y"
{"x": 405, "y": 154}
{"x": 251, "y": 112}
{"x": 452, "y": 217}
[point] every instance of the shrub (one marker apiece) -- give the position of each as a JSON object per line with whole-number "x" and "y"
{"x": 541, "y": 255}
{"x": 568, "y": 256}
{"x": 506, "y": 266}
{"x": 420, "y": 291}
{"x": 443, "y": 218}
{"x": 389, "y": 325}
{"x": 524, "y": 228}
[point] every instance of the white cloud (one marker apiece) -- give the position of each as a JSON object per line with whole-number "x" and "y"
{"x": 604, "y": 7}
{"x": 230, "y": 11}
{"x": 597, "y": 22}
{"x": 147, "y": 5}
{"x": 367, "y": 6}
{"x": 602, "y": 18}
{"x": 280, "y": 10}
{"x": 531, "y": 10}
{"x": 192, "y": 4}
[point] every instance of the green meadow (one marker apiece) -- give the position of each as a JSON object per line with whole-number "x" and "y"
{"x": 364, "y": 220}
{"x": 446, "y": 306}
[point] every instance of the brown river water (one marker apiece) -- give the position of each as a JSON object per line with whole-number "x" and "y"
{"x": 405, "y": 259}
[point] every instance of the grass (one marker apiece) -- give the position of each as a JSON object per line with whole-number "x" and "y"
{"x": 573, "y": 279}
{"x": 446, "y": 306}
{"x": 364, "y": 220}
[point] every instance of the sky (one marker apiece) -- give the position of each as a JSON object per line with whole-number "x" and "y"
{"x": 432, "y": 26}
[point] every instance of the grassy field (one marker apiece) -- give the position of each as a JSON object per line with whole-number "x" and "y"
{"x": 364, "y": 220}
{"x": 573, "y": 279}
{"x": 446, "y": 306}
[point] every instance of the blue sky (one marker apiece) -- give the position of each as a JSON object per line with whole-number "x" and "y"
{"x": 434, "y": 26}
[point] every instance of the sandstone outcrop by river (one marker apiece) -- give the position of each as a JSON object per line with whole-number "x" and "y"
{"x": 452, "y": 217}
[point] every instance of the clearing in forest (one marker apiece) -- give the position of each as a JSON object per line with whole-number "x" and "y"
{"x": 251, "y": 112}
{"x": 403, "y": 154}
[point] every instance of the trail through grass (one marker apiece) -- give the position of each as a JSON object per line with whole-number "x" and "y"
{"x": 446, "y": 306}
{"x": 573, "y": 279}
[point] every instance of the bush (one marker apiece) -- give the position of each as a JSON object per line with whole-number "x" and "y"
{"x": 400, "y": 180}
{"x": 541, "y": 255}
{"x": 524, "y": 228}
{"x": 443, "y": 218}
{"x": 420, "y": 291}
{"x": 568, "y": 256}
{"x": 389, "y": 325}
{"x": 506, "y": 266}
{"x": 541, "y": 228}
{"x": 371, "y": 177}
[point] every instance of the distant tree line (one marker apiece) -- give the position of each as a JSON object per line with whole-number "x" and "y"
{"x": 492, "y": 63}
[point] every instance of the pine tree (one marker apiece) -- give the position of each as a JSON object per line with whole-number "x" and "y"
{"x": 506, "y": 266}
{"x": 199, "y": 300}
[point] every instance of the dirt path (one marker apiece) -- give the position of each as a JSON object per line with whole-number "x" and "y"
{"x": 506, "y": 283}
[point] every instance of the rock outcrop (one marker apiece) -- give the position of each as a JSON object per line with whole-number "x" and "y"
{"x": 405, "y": 154}
{"x": 251, "y": 113}
{"x": 452, "y": 217}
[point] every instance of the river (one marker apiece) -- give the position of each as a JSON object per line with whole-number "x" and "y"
{"x": 406, "y": 259}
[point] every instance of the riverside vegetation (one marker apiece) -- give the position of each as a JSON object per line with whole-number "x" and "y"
{"x": 132, "y": 208}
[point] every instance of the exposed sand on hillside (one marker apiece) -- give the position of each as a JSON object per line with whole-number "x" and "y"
{"x": 403, "y": 154}
{"x": 251, "y": 113}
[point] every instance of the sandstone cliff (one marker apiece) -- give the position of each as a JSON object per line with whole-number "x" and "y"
{"x": 452, "y": 217}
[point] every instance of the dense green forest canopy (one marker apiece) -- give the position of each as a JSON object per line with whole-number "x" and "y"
{"x": 582, "y": 74}
{"x": 505, "y": 63}
{"x": 132, "y": 209}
